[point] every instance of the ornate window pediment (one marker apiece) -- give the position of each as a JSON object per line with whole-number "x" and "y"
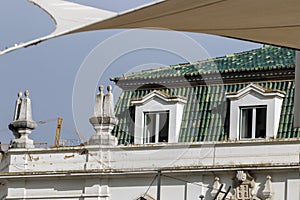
{"x": 254, "y": 112}
{"x": 158, "y": 118}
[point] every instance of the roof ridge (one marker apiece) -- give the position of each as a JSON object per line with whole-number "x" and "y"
{"x": 264, "y": 58}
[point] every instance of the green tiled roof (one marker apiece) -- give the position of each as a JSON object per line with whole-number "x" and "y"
{"x": 206, "y": 113}
{"x": 205, "y": 116}
{"x": 267, "y": 57}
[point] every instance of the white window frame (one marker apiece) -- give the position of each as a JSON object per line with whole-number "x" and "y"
{"x": 253, "y": 125}
{"x": 146, "y": 136}
{"x": 254, "y": 96}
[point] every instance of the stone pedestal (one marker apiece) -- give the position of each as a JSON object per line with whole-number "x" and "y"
{"x": 22, "y": 142}
{"x": 103, "y": 127}
{"x": 22, "y": 128}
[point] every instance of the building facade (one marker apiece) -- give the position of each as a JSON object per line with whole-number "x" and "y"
{"x": 215, "y": 129}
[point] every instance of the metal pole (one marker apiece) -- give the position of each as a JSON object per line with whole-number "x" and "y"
{"x": 297, "y": 92}
{"x": 158, "y": 183}
{"x": 225, "y": 195}
{"x": 220, "y": 189}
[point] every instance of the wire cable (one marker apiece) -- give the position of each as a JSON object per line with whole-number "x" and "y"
{"x": 150, "y": 186}
{"x": 74, "y": 130}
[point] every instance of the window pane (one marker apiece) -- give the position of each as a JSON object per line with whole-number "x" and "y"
{"x": 261, "y": 117}
{"x": 163, "y": 127}
{"x": 150, "y": 124}
{"x": 246, "y": 125}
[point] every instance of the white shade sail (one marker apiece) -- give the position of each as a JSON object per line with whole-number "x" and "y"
{"x": 269, "y": 21}
{"x": 67, "y": 16}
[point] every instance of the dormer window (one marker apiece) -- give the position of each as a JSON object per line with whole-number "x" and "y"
{"x": 158, "y": 118}
{"x": 254, "y": 112}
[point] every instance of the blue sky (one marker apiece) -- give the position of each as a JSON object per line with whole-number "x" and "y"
{"x": 49, "y": 69}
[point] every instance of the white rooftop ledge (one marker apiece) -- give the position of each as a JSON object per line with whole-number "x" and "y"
{"x": 139, "y": 158}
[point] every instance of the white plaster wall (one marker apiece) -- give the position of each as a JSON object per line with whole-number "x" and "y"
{"x": 130, "y": 187}
{"x": 178, "y": 120}
{"x": 16, "y": 188}
{"x": 57, "y": 187}
{"x": 293, "y": 188}
{"x": 277, "y": 112}
{"x": 135, "y": 187}
{"x": 41, "y": 161}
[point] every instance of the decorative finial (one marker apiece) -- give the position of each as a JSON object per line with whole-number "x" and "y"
{"x": 268, "y": 190}
{"x": 101, "y": 88}
{"x": 109, "y": 88}
{"x": 22, "y": 123}
{"x": 216, "y": 187}
{"x": 19, "y": 94}
{"x": 104, "y": 119}
{"x": 26, "y": 93}
{"x": 17, "y": 107}
{"x": 98, "y": 108}
{"x": 108, "y": 104}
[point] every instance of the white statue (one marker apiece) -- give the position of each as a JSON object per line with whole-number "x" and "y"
{"x": 108, "y": 104}
{"x": 25, "y": 110}
{"x": 18, "y": 106}
{"x": 98, "y": 108}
